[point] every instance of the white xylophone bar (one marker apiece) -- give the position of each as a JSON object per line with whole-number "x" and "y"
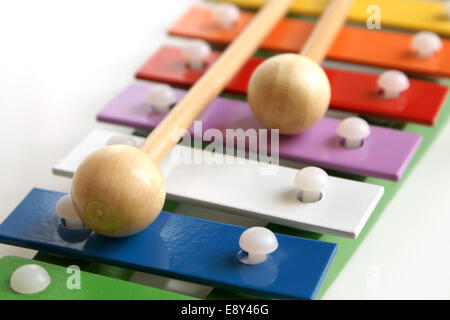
{"x": 248, "y": 189}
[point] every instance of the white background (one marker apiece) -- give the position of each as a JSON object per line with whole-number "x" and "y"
{"x": 61, "y": 62}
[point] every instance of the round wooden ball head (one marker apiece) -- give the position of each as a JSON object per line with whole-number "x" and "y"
{"x": 289, "y": 92}
{"x": 118, "y": 191}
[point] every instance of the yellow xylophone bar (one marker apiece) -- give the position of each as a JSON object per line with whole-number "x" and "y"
{"x": 403, "y": 14}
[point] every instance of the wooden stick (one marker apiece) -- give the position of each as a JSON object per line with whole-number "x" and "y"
{"x": 119, "y": 190}
{"x": 326, "y": 29}
{"x": 172, "y": 128}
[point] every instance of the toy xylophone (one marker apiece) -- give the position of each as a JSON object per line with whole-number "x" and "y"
{"x": 314, "y": 219}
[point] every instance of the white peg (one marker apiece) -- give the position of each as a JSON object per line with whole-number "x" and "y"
{"x": 196, "y": 52}
{"x": 226, "y": 14}
{"x": 258, "y": 242}
{"x": 121, "y": 139}
{"x": 447, "y": 8}
{"x": 393, "y": 83}
{"x": 426, "y": 44}
{"x": 353, "y": 130}
{"x": 66, "y": 211}
{"x": 312, "y": 182}
{"x": 29, "y": 279}
{"x": 161, "y": 97}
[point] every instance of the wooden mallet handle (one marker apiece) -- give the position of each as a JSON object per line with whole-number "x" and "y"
{"x": 172, "y": 128}
{"x": 326, "y": 29}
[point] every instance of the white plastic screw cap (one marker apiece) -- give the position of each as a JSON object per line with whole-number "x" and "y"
{"x": 196, "y": 52}
{"x": 258, "y": 242}
{"x": 66, "y": 211}
{"x": 447, "y": 8}
{"x": 393, "y": 83}
{"x": 121, "y": 139}
{"x": 161, "y": 97}
{"x": 226, "y": 14}
{"x": 426, "y": 44}
{"x": 353, "y": 130}
{"x": 29, "y": 279}
{"x": 312, "y": 181}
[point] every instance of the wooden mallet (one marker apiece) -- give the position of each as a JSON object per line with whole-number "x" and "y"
{"x": 119, "y": 190}
{"x": 291, "y": 92}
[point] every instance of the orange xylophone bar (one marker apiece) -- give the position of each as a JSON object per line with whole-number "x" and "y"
{"x": 379, "y": 48}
